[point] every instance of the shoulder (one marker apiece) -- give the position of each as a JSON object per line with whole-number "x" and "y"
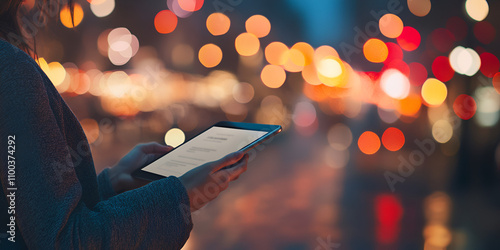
{"x": 17, "y": 66}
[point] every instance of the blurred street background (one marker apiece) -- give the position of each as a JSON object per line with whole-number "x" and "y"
{"x": 390, "y": 111}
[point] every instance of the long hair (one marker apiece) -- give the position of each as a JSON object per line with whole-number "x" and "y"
{"x": 18, "y": 29}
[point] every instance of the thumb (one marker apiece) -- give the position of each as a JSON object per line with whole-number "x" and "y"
{"x": 227, "y": 160}
{"x": 155, "y": 148}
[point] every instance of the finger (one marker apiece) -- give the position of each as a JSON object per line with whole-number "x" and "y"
{"x": 234, "y": 172}
{"x": 155, "y": 148}
{"x": 227, "y": 160}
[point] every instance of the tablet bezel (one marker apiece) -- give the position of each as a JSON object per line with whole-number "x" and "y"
{"x": 271, "y": 129}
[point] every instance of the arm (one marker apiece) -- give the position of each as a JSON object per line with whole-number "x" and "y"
{"x": 49, "y": 210}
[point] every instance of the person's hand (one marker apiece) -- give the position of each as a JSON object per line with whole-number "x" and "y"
{"x": 205, "y": 182}
{"x": 141, "y": 155}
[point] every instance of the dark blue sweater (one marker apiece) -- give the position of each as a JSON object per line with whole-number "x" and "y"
{"x": 58, "y": 200}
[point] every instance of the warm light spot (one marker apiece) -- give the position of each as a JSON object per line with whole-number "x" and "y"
{"x": 91, "y": 129}
{"x": 485, "y": 32}
{"x": 442, "y": 131}
{"x": 174, "y": 137}
{"x": 391, "y": 25}
{"x": 210, "y": 55}
{"x": 465, "y": 61}
{"x": 441, "y": 69}
{"x": 191, "y": 5}
{"x": 375, "y": 50}
{"x": 340, "y": 137}
{"x": 410, "y": 105}
{"x": 247, "y": 44}
{"x": 477, "y": 9}
{"x": 276, "y": 53}
{"x": 395, "y": 53}
{"x": 393, "y": 139}
{"x": 465, "y": 107}
{"x": 102, "y": 8}
{"x": 419, "y": 8}
{"x": 258, "y": 25}
{"x": 395, "y": 84}
{"x": 307, "y": 52}
{"x": 310, "y": 75}
{"x": 182, "y": 55}
{"x": 273, "y": 76}
{"x": 488, "y": 106}
{"x": 369, "y": 143}
{"x": 67, "y": 20}
{"x": 409, "y": 39}
{"x": 434, "y": 92}
{"x": 324, "y": 51}
{"x": 243, "y": 92}
{"x": 389, "y": 211}
{"x": 218, "y": 24}
{"x": 57, "y": 73}
{"x": 489, "y": 64}
{"x": 165, "y": 22}
{"x": 297, "y": 58}
{"x": 496, "y": 82}
{"x": 330, "y": 67}
{"x": 418, "y": 74}
{"x": 304, "y": 114}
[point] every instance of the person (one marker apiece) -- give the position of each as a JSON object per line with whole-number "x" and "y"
{"x": 52, "y": 197}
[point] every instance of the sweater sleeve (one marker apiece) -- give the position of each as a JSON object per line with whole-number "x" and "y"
{"x": 106, "y": 190}
{"x": 49, "y": 210}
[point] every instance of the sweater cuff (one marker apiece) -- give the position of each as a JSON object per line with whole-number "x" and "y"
{"x": 106, "y": 190}
{"x": 184, "y": 205}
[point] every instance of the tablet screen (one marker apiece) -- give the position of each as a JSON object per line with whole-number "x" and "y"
{"x": 211, "y": 145}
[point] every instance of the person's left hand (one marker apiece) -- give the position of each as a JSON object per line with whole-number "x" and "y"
{"x": 121, "y": 174}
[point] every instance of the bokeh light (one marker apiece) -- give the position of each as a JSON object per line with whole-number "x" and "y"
{"x": 71, "y": 21}
{"x": 258, "y": 25}
{"x": 330, "y": 67}
{"x": 391, "y": 25}
{"x": 477, "y": 9}
{"x": 102, "y": 8}
{"x": 458, "y": 27}
{"x": 340, "y": 136}
{"x": 441, "y": 69}
{"x": 369, "y": 143}
{"x": 489, "y": 64}
{"x": 465, "y": 61}
{"x": 91, "y": 129}
{"x": 191, "y": 5}
{"x": 218, "y": 24}
{"x": 419, "y": 8}
{"x": 243, "y": 92}
{"x": 418, "y": 74}
{"x": 210, "y": 55}
{"x": 410, "y": 105}
{"x": 395, "y": 84}
{"x": 165, "y": 22}
{"x": 496, "y": 82}
{"x": 409, "y": 39}
{"x": 247, "y": 44}
{"x": 174, "y": 137}
{"x": 276, "y": 53}
{"x": 307, "y": 52}
{"x": 304, "y": 114}
{"x": 442, "y": 131}
{"x": 375, "y": 50}
{"x": 395, "y": 52}
{"x": 434, "y": 92}
{"x": 465, "y": 106}
{"x": 273, "y": 76}
{"x": 442, "y": 39}
{"x": 484, "y": 32}
{"x": 488, "y": 106}
{"x": 393, "y": 139}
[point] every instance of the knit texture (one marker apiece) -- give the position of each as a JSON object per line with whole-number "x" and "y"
{"x": 60, "y": 202}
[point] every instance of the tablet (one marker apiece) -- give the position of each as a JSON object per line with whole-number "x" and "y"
{"x": 212, "y": 144}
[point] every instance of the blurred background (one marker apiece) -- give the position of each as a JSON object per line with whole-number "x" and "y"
{"x": 390, "y": 111}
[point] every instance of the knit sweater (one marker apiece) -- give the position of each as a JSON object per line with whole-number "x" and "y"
{"x": 51, "y": 196}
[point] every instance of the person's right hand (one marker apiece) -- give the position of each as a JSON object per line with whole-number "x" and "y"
{"x": 205, "y": 182}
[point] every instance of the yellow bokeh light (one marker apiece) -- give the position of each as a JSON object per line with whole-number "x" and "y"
{"x": 307, "y": 52}
{"x": 297, "y": 57}
{"x": 330, "y": 67}
{"x": 391, "y": 25}
{"x": 57, "y": 73}
{"x": 419, "y": 8}
{"x": 375, "y": 50}
{"x": 247, "y": 44}
{"x": 218, "y": 24}
{"x": 276, "y": 53}
{"x": 310, "y": 75}
{"x": 258, "y": 25}
{"x": 174, "y": 137}
{"x": 434, "y": 92}
{"x": 210, "y": 55}
{"x": 324, "y": 51}
{"x": 442, "y": 131}
{"x": 477, "y": 9}
{"x": 273, "y": 76}
{"x": 67, "y": 20}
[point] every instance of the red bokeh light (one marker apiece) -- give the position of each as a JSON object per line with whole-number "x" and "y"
{"x": 395, "y": 52}
{"x": 165, "y": 22}
{"x": 442, "y": 40}
{"x": 484, "y": 32}
{"x": 388, "y": 212}
{"x": 458, "y": 27}
{"x": 393, "y": 139}
{"x": 465, "y": 107}
{"x": 489, "y": 64}
{"x": 399, "y": 65}
{"x": 442, "y": 69}
{"x": 496, "y": 82}
{"x": 410, "y": 39}
{"x": 418, "y": 73}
